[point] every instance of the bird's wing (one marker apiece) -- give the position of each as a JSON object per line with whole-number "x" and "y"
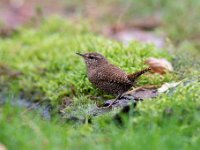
{"x": 113, "y": 74}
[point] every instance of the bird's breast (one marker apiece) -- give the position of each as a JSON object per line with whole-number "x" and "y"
{"x": 92, "y": 75}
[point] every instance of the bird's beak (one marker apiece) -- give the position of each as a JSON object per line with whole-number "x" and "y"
{"x": 80, "y": 54}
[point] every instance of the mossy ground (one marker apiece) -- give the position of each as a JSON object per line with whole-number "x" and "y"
{"x": 48, "y": 70}
{"x": 46, "y": 59}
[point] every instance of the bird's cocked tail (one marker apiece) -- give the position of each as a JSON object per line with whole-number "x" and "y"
{"x": 134, "y": 76}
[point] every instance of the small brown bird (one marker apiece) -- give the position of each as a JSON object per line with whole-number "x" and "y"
{"x": 108, "y": 77}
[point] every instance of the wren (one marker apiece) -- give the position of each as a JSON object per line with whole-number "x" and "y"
{"x": 108, "y": 77}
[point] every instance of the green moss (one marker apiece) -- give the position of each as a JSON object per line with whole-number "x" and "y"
{"x": 46, "y": 58}
{"x": 50, "y": 70}
{"x": 167, "y": 122}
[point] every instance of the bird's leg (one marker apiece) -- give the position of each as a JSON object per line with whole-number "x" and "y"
{"x": 118, "y": 96}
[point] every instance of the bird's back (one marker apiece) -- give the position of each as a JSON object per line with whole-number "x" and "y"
{"x": 110, "y": 79}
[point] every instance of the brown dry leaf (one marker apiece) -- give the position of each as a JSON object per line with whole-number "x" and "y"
{"x": 2, "y": 147}
{"x": 133, "y": 96}
{"x": 159, "y": 65}
{"x": 142, "y": 93}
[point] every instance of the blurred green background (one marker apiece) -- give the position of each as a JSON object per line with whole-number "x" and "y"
{"x": 45, "y": 95}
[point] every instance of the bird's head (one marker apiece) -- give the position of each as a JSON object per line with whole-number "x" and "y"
{"x": 93, "y": 59}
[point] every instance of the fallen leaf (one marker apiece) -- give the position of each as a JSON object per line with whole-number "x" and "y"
{"x": 142, "y": 93}
{"x": 167, "y": 86}
{"x": 159, "y": 65}
{"x": 132, "y": 97}
{"x": 2, "y": 147}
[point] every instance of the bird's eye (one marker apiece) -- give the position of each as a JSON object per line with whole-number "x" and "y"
{"x": 91, "y": 57}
